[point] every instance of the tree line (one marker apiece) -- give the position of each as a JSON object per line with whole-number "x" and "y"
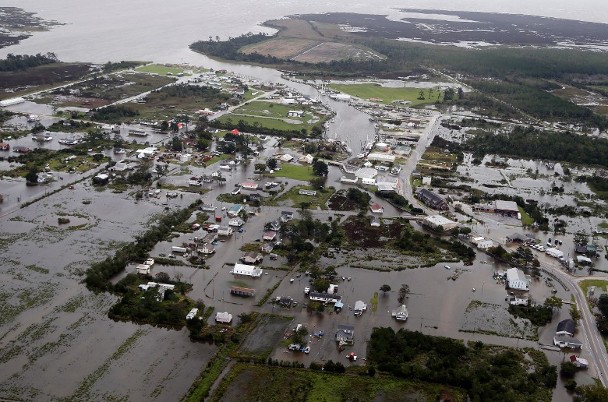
{"x": 22, "y": 62}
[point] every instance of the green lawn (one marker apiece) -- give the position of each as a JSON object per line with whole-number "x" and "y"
{"x": 388, "y": 95}
{"x": 526, "y": 219}
{"x": 296, "y": 172}
{"x": 317, "y": 201}
{"x": 587, "y": 283}
{"x": 160, "y": 69}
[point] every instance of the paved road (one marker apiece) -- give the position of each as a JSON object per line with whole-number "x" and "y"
{"x": 588, "y": 329}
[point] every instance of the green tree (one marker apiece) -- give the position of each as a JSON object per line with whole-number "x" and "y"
{"x": 32, "y": 176}
{"x": 318, "y": 183}
{"x": 385, "y": 288}
{"x": 554, "y": 302}
{"x": 162, "y": 170}
{"x": 568, "y": 369}
{"x": 403, "y": 292}
{"x": 319, "y": 168}
{"x": 593, "y": 392}
{"x": 272, "y": 163}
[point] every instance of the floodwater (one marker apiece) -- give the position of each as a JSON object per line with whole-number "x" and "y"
{"x": 55, "y": 338}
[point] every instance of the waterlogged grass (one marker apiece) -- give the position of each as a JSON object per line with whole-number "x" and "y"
{"x": 161, "y": 69}
{"x": 83, "y": 390}
{"x": 250, "y": 383}
{"x": 374, "y": 302}
{"x": 310, "y": 202}
{"x": 526, "y": 219}
{"x": 295, "y": 172}
{"x": 598, "y": 283}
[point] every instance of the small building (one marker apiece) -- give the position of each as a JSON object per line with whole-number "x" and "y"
{"x": 243, "y": 292}
{"x": 555, "y": 253}
{"x": 286, "y": 216}
{"x": 143, "y": 269}
{"x": 376, "y": 208}
{"x": 517, "y": 280}
{"x": 286, "y": 158}
{"x": 439, "y": 223}
{"x": 269, "y": 235}
{"x": 581, "y": 259}
{"x": 236, "y": 222}
{"x": 485, "y": 244}
{"x": 338, "y": 306}
{"x": 267, "y": 248}
{"x": 101, "y": 179}
{"x": 432, "y": 200}
{"x": 517, "y": 301}
{"x": 566, "y": 327}
{"x": 366, "y": 173}
{"x": 359, "y": 308}
{"x": 235, "y": 210}
{"x": 566, "y": 341}
{"x": 324, "y": 297}
{"x": 381, "y": 157}
{"x": 308, "y": 159}
{"x": 225, "y": 231}
{"x": 311, "y": 193}
{"x": 508, "y": 208}
{"x": 192, "y": 314}
{"x": 223, "y": 318}
{"x": 345, "y": 335}
{"x": 249, "y": 185}
{"x": 206, "y": 249}
{"x": 400, "y": 314}
{"x": 295, "y": 113}
{"x": 517, "y": 238}
{"x": 252, "y": 258}
{"x": 246, "y": 270}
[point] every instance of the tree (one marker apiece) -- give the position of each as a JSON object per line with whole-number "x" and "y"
{"x": 176, "y": 144}
{"x": 162, "y": 277}
{"x": 32, "y": 176}
{"x": 421, "y": 95}
{"x": 319, "y": 168}
{"x": 568, "y": 369}
{"x": 593, "y": 392}
{"x": 385, "y": 288}
{"x": 574, "y": 313}
{"x": 554, "y": 302}
{"x": 318, "y": 183}
{"x": 162, "y": 170}
{"x": 164, "y": 125}
{"x": 320, "y": 285}
{"x": 272, "y": 163}
{"x": 403, "y": 292}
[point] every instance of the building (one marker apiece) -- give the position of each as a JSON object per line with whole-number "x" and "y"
{"x": 269, "y": 235}
{"x": 439, "y": 223}
{"x": 143, "y": 269}
{"x": 243, "y": 292}
{"x": 324, "y": 297}
{"x": 101, "y": 179}
{"x": 517, "y": 280}
{"x": 295, "y": 113}
{"x": 359, "y": 308}
{"x": 508, "y": 208}
{"x": 345, "y": 335}
{"x": 566, "y": 327}
{"x": 517, "y": 238}
{"x": 432, "y": 200}
{"x": 246, "y": 270}
{"x": 286, "y": 216}
{"x": 249, "y": 185}
{"x": 235, "y": 210}
{"x": 365, "y": 173}
{"x": 223, "y": 318}
{"x": 236, "y": 222}
{"x": 566, "y": 341}
{"x": 252, "y": 258}
{"x": 225, "y": 231}
{"x": 311, "y": 193}
{"x": 380, "y": 157}
{"x": 401, "y": 313}
{"x": 376, "y": 208}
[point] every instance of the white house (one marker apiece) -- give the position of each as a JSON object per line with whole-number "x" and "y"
{"x": 223, "y": 318}
{"x": 401, "y": 313}
{"x": 225, "y": 231}
{"x": 143, "y": 269}
{"x": 517, "y": 280}
{"x": 359, "y": 308}
{"x": 246, "y": 270}
{"x": 439, "y": 222}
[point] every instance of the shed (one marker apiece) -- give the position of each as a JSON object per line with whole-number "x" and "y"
{"x": 223, "y": 318}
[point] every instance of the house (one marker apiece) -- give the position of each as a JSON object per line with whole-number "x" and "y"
{"x": 308, "y": 159}
{"x": 566, "y": 327}
{"x": 285, "y": 301}
{"x": 345, "y": 335}
{"x": 246, "y": 270}
{"x": 286, "y": 216}
{"x": 243, "y": 292}
{"x": 485, "y": 244}
{"x": 207, "y": 249}
{"x": 338, "y": 306}
{"x": 267, "y": 248}
{"x": 517, "y": 238}
{"x": 269, "y": 235}
{"x": 517, "y": 301}
{"x": 359, "y": 308}
{"x": 223, "y": 318}
{"x": 431, "y": 199}
{"x": 295, "y": 113}
{"x": 506, "y": 208}
{"x": 235, "y": 210}
{"x": 376, "y": 208}
{"x": 249, "y": 185}
{"x": 143, "y": 269}
{"x": 208, "y": 208}
{"x": 192, "y": 314}
{"x": 400, "y": 314}
{"x": 162, "y": 288}
{"x": 381, "y": 157}
{"x": 225, "y": 231}
{"x": 324, "y": 297}
{"x": 236, "y": 222}
{"x": 517, "y": 280}
{"x": 566, "y": 341}
{"x": 252, "y": 258}
{"x": 439, "y": 223}
{"x": 101, "y": 179}
{"x": 286, "y": 158}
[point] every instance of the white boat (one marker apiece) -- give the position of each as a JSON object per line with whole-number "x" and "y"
{"x": 32, "y": 118}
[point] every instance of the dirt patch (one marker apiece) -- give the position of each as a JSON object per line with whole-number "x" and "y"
{"x": 329, "y": 51}
{"x": 266, "y": 335}
{"x": 284, "y": 48}
{"x": 494, "y": 319}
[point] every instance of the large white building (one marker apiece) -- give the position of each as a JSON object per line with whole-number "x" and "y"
{"x": 517, "y": 280}
{"x": 246, "y": 270}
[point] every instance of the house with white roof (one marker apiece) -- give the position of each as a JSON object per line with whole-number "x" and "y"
{"x": 246, "y": 270}
{"x": 517, "y": 280}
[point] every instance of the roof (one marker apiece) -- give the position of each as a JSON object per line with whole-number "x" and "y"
{"x": 223, "y": 317}
{"x": 506, "y": 205}
{"x": 366, "y": 173}
{"x": 514, "y": 274}
{"x": 360, "y": 305}
{"x": 244, "y": 269}
{"x": 438, "y": 220}
{"x": 567, "y": 339}
{"x": 567, "y": 325}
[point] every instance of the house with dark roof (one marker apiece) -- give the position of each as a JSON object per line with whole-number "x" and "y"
{"x": 432, "y": 200}
{"x": 345, "y": 335}
{"x": 566, "y": 327}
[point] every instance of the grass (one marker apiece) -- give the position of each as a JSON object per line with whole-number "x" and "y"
{"x": 295, "y": 172}
{"x": 526, "y": 219}
{"x": 587, "y": 283}
{"x": 374, "y": 302}
{"x": 312, "y": 202}
{"x": 161, "y": 69}
{"x": 389, "y": 95}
